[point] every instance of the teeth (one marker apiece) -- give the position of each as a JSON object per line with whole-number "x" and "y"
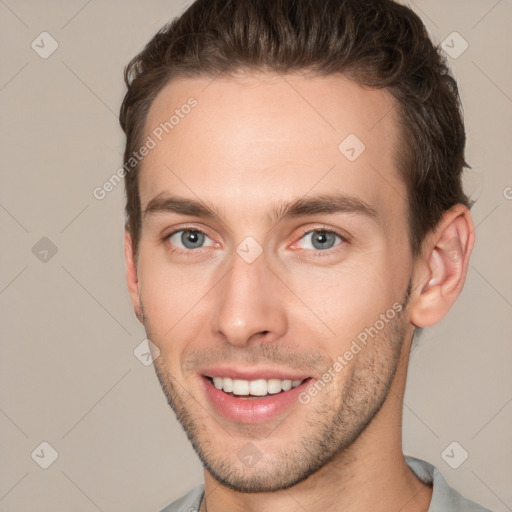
{"x": 286, "y": 385}
{"x": 273, "y": 386}
{"x": 227, "y": 384}
{"x": 240, "y": 387}
{"x": 259, "y": 387}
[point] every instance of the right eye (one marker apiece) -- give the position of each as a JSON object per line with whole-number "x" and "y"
{"x": 188, "y": 239}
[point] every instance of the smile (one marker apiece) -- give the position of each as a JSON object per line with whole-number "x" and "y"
{"x": 252, "y": 401}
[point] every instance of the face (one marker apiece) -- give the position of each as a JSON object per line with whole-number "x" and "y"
{"x": 274, "y": 268}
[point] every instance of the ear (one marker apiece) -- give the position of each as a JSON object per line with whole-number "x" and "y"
{"x": 440, "y": 270}
{"x": 132, "y": 280}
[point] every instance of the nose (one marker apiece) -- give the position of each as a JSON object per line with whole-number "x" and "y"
{"x": 248, "y": 303}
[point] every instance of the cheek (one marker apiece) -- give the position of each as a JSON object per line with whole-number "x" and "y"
{"x": 173, "y": 297}
{"x": 346, "y": 299}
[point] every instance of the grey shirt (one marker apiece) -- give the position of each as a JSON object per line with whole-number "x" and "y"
{"x": 444, "y": 498}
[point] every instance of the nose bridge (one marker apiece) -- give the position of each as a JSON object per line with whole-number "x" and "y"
{"x": 246, "y": 300}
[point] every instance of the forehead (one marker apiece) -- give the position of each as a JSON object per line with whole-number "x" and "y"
{"x": 255, "y": 139}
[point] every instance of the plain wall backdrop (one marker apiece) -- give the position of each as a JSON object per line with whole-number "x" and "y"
{"x": 68, "y": 373}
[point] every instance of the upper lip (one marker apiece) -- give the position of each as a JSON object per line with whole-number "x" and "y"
{"x": 252, "y": 373}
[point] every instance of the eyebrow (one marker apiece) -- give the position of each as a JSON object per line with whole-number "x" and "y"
{"x": 305, "y": 206}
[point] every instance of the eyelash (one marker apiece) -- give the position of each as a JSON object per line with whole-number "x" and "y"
{"x": 316, "y": 252}
{"x": 329, "y": 251}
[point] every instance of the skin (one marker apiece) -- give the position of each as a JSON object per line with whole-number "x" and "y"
{"x": 253, "y": 142}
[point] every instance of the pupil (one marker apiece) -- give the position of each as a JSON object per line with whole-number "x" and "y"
{"x": 192, "y": 239}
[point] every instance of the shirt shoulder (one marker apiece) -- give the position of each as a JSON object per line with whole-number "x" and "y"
{"x": 444, "y": 497}
{"x": 188, "y": 503}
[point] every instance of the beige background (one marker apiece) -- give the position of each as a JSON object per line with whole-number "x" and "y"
{"x": 68, "y": 375}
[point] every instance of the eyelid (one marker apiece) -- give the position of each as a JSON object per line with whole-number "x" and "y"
{"x": 323, "y": 229}
{"x": 185, "y": 228}
{"x": 167, "y": 236}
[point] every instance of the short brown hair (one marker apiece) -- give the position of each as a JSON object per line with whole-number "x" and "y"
{"x": 377, "y": 43}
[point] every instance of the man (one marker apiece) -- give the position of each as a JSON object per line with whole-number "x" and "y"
{"x": 294, "y": 213}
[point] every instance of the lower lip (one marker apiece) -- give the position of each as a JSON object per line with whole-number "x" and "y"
{"x": 252, "y": 410}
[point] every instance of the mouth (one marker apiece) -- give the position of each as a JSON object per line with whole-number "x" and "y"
{"x": 252, "y": 401}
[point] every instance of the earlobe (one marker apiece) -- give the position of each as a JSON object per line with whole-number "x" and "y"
{"x": 443, "y": 264}
{"x": 132, "y": 280}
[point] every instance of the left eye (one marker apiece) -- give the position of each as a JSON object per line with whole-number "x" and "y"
{"x": 320, "y": 239}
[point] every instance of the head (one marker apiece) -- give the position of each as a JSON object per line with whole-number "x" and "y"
{"x": 304, "y": 205}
